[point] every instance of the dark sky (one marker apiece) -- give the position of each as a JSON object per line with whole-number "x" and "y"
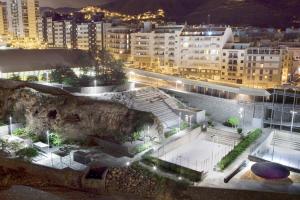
{"x": 70, "y": 3}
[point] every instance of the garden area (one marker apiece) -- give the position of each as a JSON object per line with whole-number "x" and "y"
{"x": 107, "y": 71}
{"x": 177, "y": 170}
{"x": 239, "y": 149}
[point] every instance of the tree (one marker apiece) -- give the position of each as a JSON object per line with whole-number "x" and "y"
{"x": 15, "y": 77}
{"x": 32, "y": 78}
{"x": 27, "y": 153}
{"x": 64, "y": 74}
{"x": 108, "y": 69}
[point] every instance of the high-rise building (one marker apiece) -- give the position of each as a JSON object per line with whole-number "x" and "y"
{"x": 3, "y": 18}
{"x": 22, "y": 18}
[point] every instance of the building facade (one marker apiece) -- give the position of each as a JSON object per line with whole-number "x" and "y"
{"x": 22, "y": 17}
{"x": 3, "y": 19}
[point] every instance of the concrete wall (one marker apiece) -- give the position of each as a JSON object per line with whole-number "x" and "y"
{"x": 218, "y": 109}
{"x": 103, "y": 89}
{"x": 5, "y": 130}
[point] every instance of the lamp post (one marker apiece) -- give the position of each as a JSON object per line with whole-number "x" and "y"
{"x": 10, "y": 125}
{"x": 293, "y": 116}
{"x": 179, "y": 120}
{"x": 178, "y": 82}
{"x": 242, "y": 115}
{"x": 48, "y": 140}
{"x": 191, "y": 117}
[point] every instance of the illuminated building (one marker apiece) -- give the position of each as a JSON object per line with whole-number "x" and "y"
{"x": 3, "y": 19}
{"x": 22, "y": 18}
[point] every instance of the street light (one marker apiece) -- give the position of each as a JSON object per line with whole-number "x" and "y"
{"x": 179, "y": 120}
{"x": 95, "y": 83}
{"x": 10, "y": 125}
{"x": 131, "y": 74}
{"x": 242, "y": 115}
{"x": 48, "y": 140}
{"x": 178, "y": 82}
{"x": 293, "y": 116}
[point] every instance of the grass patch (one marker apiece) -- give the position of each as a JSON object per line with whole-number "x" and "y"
{"x": 142, "y": 147}
{"x": 168, "y": 167}
{"x": 183, "y": 126}
{"x": 239, "y": 149}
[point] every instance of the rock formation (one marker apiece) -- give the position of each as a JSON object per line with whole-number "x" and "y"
{"x": 44, "y": 108}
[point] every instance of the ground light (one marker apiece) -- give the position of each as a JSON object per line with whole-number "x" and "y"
{"x": 154, "y": 168}
{"x": 10, "y": 125}
{"x": 180, "y": 178}
{"x": 293, "y": 116}
{"x": 127, "y": 164}
{"x": 178, "y": 82}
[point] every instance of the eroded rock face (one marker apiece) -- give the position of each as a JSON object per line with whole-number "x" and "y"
{"x": 44, "y": 108}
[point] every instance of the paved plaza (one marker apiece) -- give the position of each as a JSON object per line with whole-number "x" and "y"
{"x": 199, "y": 155}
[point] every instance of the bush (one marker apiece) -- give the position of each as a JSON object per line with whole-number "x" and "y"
{"x": 55, "y": 139}
{"x": 27, "y": 153}
{"x": 170, "y": 133}
{"x": 240, "y": 130}
{"x": 239, "y": 149}
{"x": 141, "y": 148}
{"x": 26, "y": 133}
{"x": 232, "y": 122}
{"x": 187, "y": 173}
{"x": 15, "y": 77}
{"x": 32, "y": 78}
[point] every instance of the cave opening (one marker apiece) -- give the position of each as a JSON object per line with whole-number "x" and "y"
{"x": 52, "y": 114}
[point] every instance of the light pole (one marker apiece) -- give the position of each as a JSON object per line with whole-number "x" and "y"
{"x": 242, "y": 115}
{"x": 47, "y": 76}
{"x": 191, "y": 116}
{"x": 293, "y": 116}
{"x": 179, "y": 120}
{"x": 48, "y": 140}
{"x": 10, "y": 125}
{"x": 178, "y": 82}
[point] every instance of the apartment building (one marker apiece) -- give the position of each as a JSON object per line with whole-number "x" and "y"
{"x": 3, "y": 19}
{"x": 233, "y": 62}
{"x": 22, "y": 18}
{"x": 200, "y": 51}
{"x": 266, "y": 66}
{"x": 156, "y": 49}
{"x": 118, "y": 39}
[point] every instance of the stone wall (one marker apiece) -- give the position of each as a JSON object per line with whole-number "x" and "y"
{"x": 45, "y": 108}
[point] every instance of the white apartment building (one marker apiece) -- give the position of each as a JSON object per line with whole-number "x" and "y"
{"x": 156, "y": 49}
{"x": 22, "y": 16}
{"x": 201, "y": 50}
{"x": 58, "y": 27}
{"x": 82, "y": 33}
{"x": 101, "y": 34}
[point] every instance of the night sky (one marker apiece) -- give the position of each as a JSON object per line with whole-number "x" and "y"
{"x": 69, "y": 3}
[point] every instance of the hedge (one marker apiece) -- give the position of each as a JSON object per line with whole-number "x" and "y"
{"x": 239, "y": 149}
{"x": 187, "y": 173}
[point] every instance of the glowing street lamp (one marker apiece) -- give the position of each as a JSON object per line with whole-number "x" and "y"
{"x": 48, "y": 139}
{"x": 10, "y": 125}
{"x": 293, "y": 116}
{"x": 178, "y": 82}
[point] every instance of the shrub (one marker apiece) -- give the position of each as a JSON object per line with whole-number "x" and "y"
{"x": 232, "y": 122}
{"x": 55, "y": 139}
{"x": 26, "y": 133}
{"x": 32, "y": 78}
{"x": 239, "y": 149}
{"x": 187, "y": 173}
{"x": 141, "y": 148}
{"x": 170, "y": 133}
{"x": 27, "y": 153}
{"x": 240, "y": 130}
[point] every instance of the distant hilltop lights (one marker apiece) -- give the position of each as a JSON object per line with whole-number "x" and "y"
{"x": 90, "y": 10}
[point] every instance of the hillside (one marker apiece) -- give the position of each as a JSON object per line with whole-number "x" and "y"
{"x": 279, "y": 13}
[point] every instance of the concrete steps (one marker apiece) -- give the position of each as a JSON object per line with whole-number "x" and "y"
{"x": 286, "y": 140}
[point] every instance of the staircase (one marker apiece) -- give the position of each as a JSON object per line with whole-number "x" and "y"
{"x": 286, "y": 140}
{"x": 221, "y": 137}
{"x": 153, "y": 100}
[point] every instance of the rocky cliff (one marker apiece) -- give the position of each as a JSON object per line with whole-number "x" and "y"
{"x": 44, "y": 108}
